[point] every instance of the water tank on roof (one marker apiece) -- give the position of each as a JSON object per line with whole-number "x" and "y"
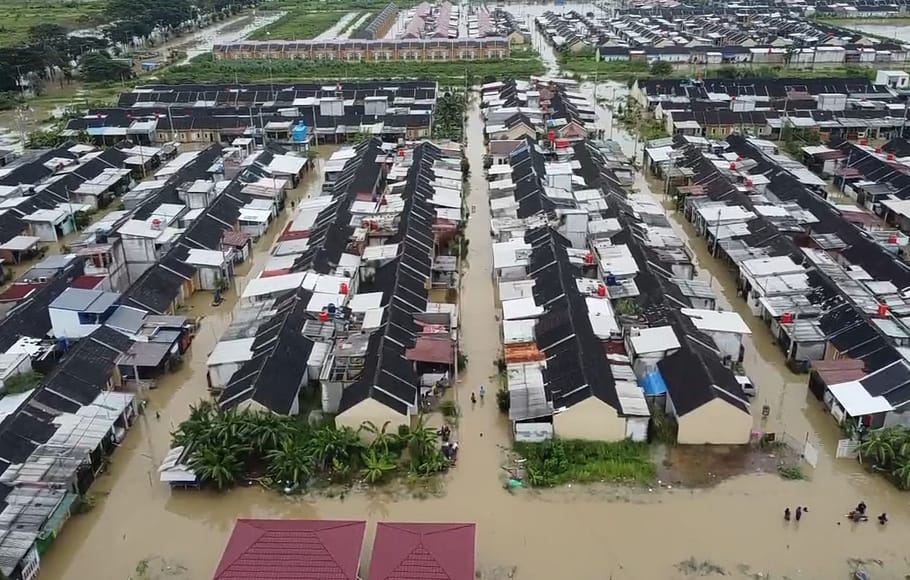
{"x": 300, "y": 133}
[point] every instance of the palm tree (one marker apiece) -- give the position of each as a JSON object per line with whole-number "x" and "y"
{"x": 375, "y": 466}
{"x": 878, "y": 446}
{"x": 290, "y": 461}
{"x": 381, "y": 437}
{"x": 222, "y": 466}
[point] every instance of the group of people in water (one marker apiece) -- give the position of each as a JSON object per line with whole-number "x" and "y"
{"x": 857, "y": 515}
{"x": 799, "y": 513}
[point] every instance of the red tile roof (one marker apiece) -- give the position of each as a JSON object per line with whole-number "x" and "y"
{"x": 87, "y": 282}
{"x": 432, "y": 348}
{"x": 19, "y": 291}
{"x": 844, "y": 370}
{"x": 292, "y": 550}
{"x": 423, "y": 552}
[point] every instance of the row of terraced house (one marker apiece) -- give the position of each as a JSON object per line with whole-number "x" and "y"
{"x": 371, "y": 50}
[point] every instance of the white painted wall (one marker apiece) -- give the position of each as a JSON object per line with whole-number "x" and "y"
{"x": 65, "y": 324}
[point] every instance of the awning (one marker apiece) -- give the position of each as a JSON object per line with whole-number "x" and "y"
{"x": 432, "y": 349}
{"x": 856, "y": 400}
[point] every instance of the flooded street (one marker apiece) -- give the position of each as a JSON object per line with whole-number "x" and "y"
{"x": 201, "y": 42}
{"x": 583, "y": 533}
{"x": 734, "y": 529}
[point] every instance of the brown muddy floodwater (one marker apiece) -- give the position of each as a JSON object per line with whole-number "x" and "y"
{"x": 577, "y": 533}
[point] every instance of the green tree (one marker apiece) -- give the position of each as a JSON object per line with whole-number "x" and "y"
{"x": 661, "y": 68}
{"x": 376, "y": 466}
{"x": 98, "y": 66}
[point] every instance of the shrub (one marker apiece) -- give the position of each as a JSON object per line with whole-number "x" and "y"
{"x": 502, "y": 400}
{"x": 449, "y": 409}
{"x": 561, "y": 461}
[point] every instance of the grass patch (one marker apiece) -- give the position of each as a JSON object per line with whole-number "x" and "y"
{"x": 299, "y": 24}
{"x": 562, "y": 461}
{"x": 20, "y": 15}
{"x": 205, "y": 69}
{"x": 791, "y": 472}
{"x": 584, "y": 64}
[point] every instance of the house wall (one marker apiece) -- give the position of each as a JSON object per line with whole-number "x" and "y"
{"x": 809, "y": 351}
{"x": 331, "y": 394}
{"x": 138, "y": 250}
{"x": 371, "y": 410}
{"x": 219, "y": 375}
{"x": 683, "y": 271}
{"x": 898, "y": 418}
{"x": 703, "y": 303}
{"x": 511, "y": 273}
{"x": 637, "y": 428}
{"x": 645, "y": 362}
{"x": 716, "y": 423}
{"x": 44, "y": 231}
{"x": 208, "y": 277}
{"x": 592, "y": 419}
{"x": 729, "y": 344}
{"x": 23, "y": 366}
{"x": 65, "y": 324}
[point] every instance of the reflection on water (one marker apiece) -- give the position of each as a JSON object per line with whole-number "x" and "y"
{"x": 899, "y": 30}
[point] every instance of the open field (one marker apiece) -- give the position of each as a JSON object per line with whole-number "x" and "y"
{"x": 206, "y": 69}
{"x": 17, "y": 16}
{"x": 299, "y": 24}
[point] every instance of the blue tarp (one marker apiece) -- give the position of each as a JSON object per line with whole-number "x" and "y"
{"x": 653, "y": 383}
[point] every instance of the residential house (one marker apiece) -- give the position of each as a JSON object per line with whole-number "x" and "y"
{"x": 705, "y": 398}
{"x": 77, "y": 313}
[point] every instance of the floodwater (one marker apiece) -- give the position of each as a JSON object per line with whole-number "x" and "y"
{"x": 579, "y": 533}
{"x": 899, "y": 30}
{"x": 232, "y": 30}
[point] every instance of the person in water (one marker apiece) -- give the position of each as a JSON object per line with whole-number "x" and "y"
{"x": 787, "y": 514}
{"x": 883, "y": 519}
{"x": 799, "y": 513}
{"x": 473, "y": 399}
{"x": 483, "y": 392}
{"x": 861, "y": 508}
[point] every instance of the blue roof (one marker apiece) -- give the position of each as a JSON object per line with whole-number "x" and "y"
{"x": 653, "y": 383}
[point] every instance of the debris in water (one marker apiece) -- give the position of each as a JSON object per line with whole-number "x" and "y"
{"x": 701, "y": 568}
